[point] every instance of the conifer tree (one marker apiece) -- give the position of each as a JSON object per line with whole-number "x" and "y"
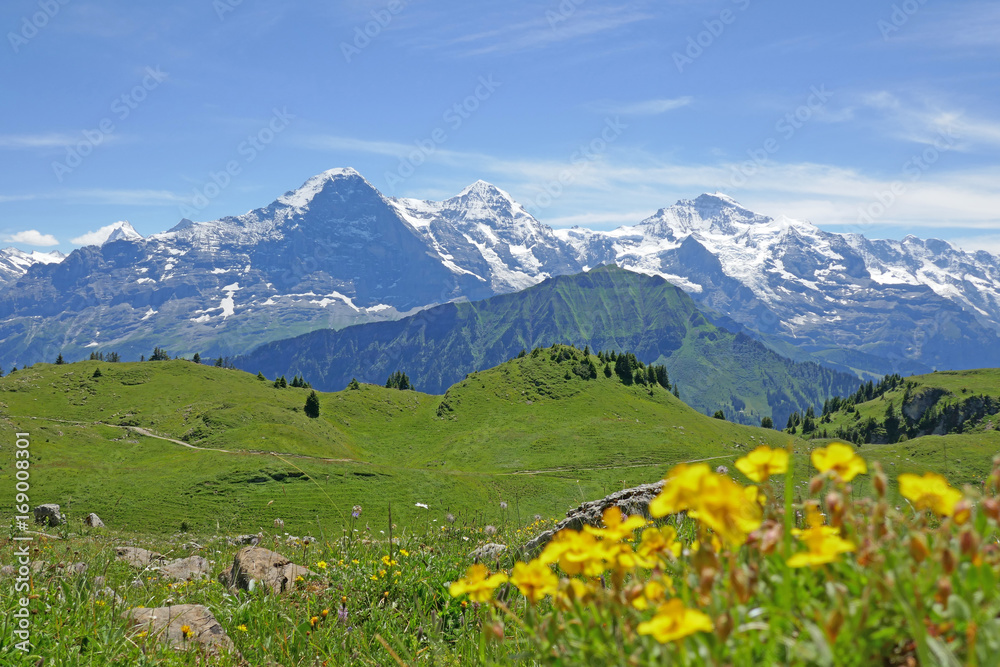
{"x": 312, "y": 405}
{"x": 196, "y": 358}
{"x": 766, "y": 422}
{"x": 354, "y": 384}
{"x": 260, "y": 376}
{"x": 59, "y": 360}
{"x": 97, "y": 373}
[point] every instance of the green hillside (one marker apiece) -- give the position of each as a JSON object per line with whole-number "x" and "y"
{"x": 899, "y": 409}
{"x": 607, "y": 308}
{"x": 529, "y": 432}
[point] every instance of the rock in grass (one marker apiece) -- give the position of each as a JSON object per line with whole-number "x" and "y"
{"x": 167, "y": 625}
{"x": 254, "y": 566}
{"x": 48, "y": 515}
{"x": 630, "y": 501}
{"x": 137, "y": 557}
{"x": 93, "y": 521}
{"x": 488, "y": 552}
{"x": 184, "y": 569}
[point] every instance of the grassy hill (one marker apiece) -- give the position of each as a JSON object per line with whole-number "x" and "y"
{"x": 607, "y": 308}
{"x": 526, "y": 432}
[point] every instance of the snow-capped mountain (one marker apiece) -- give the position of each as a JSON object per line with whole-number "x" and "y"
{"x": 916, "y": 304}
{"x": 328, "y": 254}
{"x": 484, "y": 232}
{"x": 335, "y": 252}
{"x": 14, "y": 263}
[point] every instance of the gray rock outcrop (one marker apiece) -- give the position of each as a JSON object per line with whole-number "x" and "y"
{"x": 48, "y": 515}
{"x": 165, "y": 625}
{"x": 254, "y": 566}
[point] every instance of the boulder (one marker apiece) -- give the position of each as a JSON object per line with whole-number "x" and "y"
{"x": 49, "y": 515}
{"x": 137, "y": 557}
{"x": 93, "y": 521}
{"x": 255, "y": 566}
{"x": 488, "y": 552}
{"x": 165, "y": 625}
{"x": 183, "y": 569}
{"x": 630, "y": 501}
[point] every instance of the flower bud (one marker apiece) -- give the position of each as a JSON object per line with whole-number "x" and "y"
{"x": 969, "y": 542}
{"x": 948, "y": 561}
{"x": 835, "y": 505}
{"x": 724, "y": 626}
{"x": 833, "y": 625}
{"x": 918, "y": 547}
{"x": 944, "y": 590}
{"x": 963, "y": 511}
{"x": 992, "y": 508}
{"x": 815, "y": 484}
{"x": 494, "y": 631}
{"x": 879, "y": 481}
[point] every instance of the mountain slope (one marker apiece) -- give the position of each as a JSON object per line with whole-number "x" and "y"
{"x": 254, "y": 456}
{"x": 606, "y": 308}
{"x": 15, "y": 263}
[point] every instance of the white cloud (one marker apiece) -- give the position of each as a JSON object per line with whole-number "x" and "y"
{"x": 96, "y": 237}
{"x": 32, "y": 237}
{"x": 646, "y": 108}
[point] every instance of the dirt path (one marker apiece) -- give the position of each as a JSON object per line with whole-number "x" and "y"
{"x": 241, "y": 452}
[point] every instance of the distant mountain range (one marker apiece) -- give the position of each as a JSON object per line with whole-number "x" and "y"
{"x": 607, "y": 308}
{"x": 336, "y": 252}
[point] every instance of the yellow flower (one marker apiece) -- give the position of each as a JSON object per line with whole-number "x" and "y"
{"x": 573, "y": 590}
{"x": 535, "y": 580}
{"x": 724, "y": 507}
{"x": 659, "y": 542}
{"x": 763, "y": 462}
{"x": 576, "y": 553}
{"x": 241, "y": 628}
{"x": 321, "y": 565}
{"x": 186, "y": 631}
{"x": 839, "y": 459}
{"x": 825, "y": 546}
{"x": 930, "y": 492}
{"x": 477, "y": 583}
{"x": 674, "y": 621}
{"x": 388, "y": 561}
{"x": 713, "y": 499}
{"x": 404, "y": 552}
{"x": 680, "y": 490}
{"x": 653, "y": 593}
{"x": 615, "y": 529}
{"x": 313, "y": 621}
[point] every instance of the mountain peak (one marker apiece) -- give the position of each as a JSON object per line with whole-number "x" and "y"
{"x": 484, "y": 189}
{"x": 301, "y": 197}
{"x": 123, "y": 231}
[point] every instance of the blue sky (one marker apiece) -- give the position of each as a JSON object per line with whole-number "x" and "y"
{"x": 872, "y": 116}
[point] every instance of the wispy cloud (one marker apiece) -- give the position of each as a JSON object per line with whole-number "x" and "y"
{"x": 32, "y": 237}
{"x": 545, "y": 28}
{"x": 124, "y": 197}
{"x": 646, "y": 108}
{"x": 927, "y": 120}
{"x": 29, "y": 141}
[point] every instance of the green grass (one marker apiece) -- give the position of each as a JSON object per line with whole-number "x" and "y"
{"x": 520, "y": 433}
